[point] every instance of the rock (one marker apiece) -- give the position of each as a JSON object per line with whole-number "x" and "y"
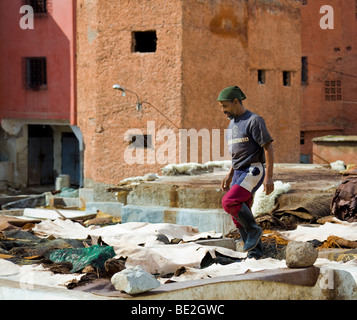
{"x": 134, "y": 280}
{"x": 150, "y": 177}
{"x": 113, "y": 266}
{"x": 300, "y": 254}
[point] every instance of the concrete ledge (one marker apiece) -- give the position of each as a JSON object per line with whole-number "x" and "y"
{"x": 112, "y": 208}
{"x": 171, "y": 195}
{"x": 203, "y": 219}
{"x": 278, "y": 284}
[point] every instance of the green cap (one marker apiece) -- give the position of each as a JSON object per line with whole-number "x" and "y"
{"x": 231, "y": 93}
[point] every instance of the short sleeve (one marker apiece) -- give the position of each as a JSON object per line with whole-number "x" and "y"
{"x": 260, "y": 132}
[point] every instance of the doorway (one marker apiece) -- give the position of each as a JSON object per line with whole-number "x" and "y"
{"x": 70, "y": 157}
{"x": 40, "y": 155}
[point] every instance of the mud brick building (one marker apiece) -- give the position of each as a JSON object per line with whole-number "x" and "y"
{"x": 178, "y": 55}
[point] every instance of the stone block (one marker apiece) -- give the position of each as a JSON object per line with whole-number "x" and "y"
{"x": 111, "y": 208}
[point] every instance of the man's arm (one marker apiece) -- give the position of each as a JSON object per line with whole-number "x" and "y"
{"x": 269, "y": 158}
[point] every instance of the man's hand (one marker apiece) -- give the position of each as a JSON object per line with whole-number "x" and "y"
{"x": 226, "y": 183}
{"x": 268, "y": 185}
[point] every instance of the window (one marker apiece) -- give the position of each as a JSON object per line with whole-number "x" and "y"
{"x": 144, "y": 41}
{"x": 333, "y": 90}
{"x": 140, "y": 141}
{"x": 287, "y": 78}
{"x": 35, "y": 74}
{"x": 261, "y": 76}
{"x": 304, "y": 71}
{"x": 302, "y": 138}
{"x": 304, "y": 2}
{"x": 39, "y": 6}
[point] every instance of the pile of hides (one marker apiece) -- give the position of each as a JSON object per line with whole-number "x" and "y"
{"x": 285, "y": 209}
{"x": 344, "y": 202}
{"x": 265, "y": 203}
{"x": 158, "y": 248}
{"x": 193, "y": 168}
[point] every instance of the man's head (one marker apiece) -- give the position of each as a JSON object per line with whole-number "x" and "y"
{"x": 231, "y": 93}
{"x": 231, "y": 102}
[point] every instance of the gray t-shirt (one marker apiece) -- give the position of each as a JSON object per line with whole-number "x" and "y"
{"x": 246, "y": 136}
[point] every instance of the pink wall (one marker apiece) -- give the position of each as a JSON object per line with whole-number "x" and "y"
{"x": 52, "y": 37}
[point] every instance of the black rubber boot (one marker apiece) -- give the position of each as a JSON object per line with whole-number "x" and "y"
{"x": 254, "y": 232}
{"x": 257, "y": 252}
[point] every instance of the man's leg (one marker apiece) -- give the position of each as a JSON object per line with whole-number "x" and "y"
{"x": 234, "y": 203}
{"x": 238, "y": 200}
{"x": 257, "y": 252}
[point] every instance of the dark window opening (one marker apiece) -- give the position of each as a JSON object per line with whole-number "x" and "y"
{"x": 39, "y": 6}
{"x": 304, "y": 71}
{"x": 304, "y": 2}
{"x": 287, "y": 78}
{"x": 144, "y": 41}
{"x": 35, "y": 73}
{"x": 261, "y": 76}
{"x": 302, "y": 138}
{"x": 140, "y": 141}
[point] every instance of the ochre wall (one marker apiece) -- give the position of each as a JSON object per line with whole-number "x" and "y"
{"x": 105, "y": 58}
{"x": 224, "y": 44}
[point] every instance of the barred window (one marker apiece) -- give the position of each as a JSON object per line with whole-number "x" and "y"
{"x": 39, "y": 6}
{"x": 333, "y": 90}
{"x": 35, "y": 73}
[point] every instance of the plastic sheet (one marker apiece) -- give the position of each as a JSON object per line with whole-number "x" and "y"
{"x": 95, "y": 256}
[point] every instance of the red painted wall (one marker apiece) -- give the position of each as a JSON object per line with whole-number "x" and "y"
{"x": 53, "y": 37}
{"x": 332, "y": 56}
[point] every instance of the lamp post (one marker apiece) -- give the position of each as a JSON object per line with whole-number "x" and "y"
{"x": 139, "y": 104}
{"x": 123, "y": 90}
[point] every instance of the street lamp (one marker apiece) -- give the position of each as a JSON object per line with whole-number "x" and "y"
{"x": 139, "y": 104}
{"x": 123, "y": 90}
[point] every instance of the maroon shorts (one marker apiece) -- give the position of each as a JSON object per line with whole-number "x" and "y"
{"x": 245, "y": 183}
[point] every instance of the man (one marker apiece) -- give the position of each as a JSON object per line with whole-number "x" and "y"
{"x": 250, "y": 145}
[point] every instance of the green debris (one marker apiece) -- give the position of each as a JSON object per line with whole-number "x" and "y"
{"x": 81, "y": 257}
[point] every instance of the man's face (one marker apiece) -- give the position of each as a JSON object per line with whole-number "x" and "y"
{"x": 229, "y": 108}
